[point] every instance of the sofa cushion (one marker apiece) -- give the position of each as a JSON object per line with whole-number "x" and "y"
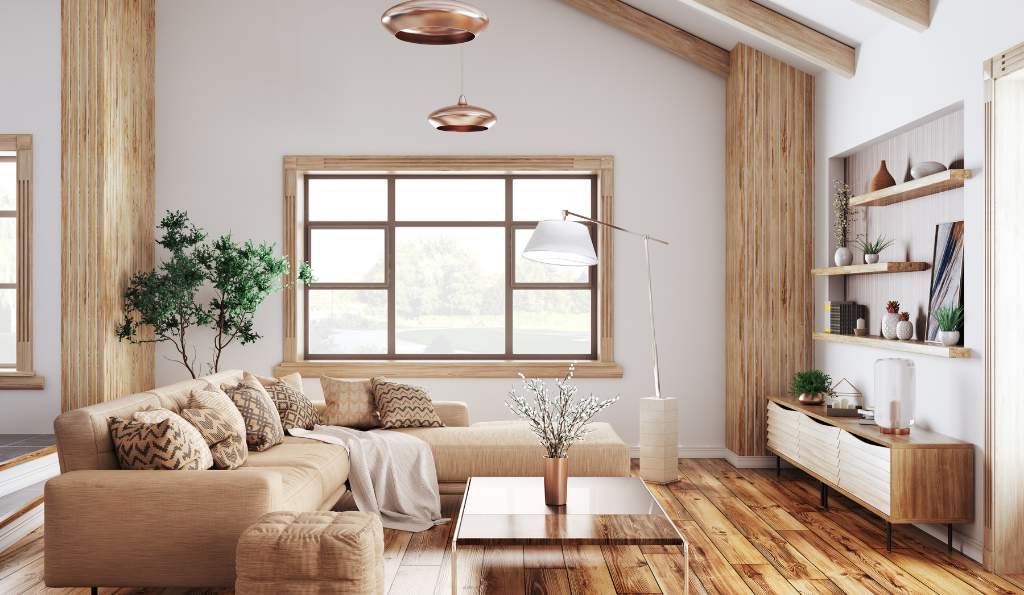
{"x": 327, "y": 462}
{"x": 404, "y": 406}
{"x": 350, "y": 403}
{"x": 153, "y": 446}
{"x": 188, "y": 432}
{"x": 262, "y": 423}
{"x": 295, "y": 410}
{"x": 509, "y": 448}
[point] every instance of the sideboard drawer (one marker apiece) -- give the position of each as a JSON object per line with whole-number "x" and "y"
{"x": 865, "y": 471}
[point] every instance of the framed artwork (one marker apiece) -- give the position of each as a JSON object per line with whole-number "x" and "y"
{"x": 947, "y": 272}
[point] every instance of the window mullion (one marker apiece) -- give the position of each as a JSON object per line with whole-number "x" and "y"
{"x": 509, "y": 265}
{"x": 389, "y": 260}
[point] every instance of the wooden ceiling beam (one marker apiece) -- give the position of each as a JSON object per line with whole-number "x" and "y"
{"x": 916, "y": 14}
{"x": 653, "y": 30}
{"x": 782, "y": 32}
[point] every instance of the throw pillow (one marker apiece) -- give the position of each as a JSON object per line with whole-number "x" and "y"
{"x": 404, "y": 406}
{"x": 142, "y": 446}
{"x": 226, "y": 444}
{"x": 295, "y": 409}
{"x": 211, "y": 397}
{"x": 350, "y": 403}
{"x": 188, "y": 432}
{"x": 293, "y": 380}
{"x": 262, "y": 423}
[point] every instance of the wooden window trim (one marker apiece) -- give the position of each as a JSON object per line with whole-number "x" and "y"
{"x": 296, "y": 167}
{"x": 23, "y": 375}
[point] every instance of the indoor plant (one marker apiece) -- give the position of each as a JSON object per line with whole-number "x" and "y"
{"x": 872, "y": 248}
{"x": 949, "y": 319}
{"x": 891, "y": 319}
{"x": 841, "y": 222}
{"x": 559, "y": 422}
{"x": 904, "y": 328}
{"x": 811, "y": 386}
{"x": 167, "y": 301}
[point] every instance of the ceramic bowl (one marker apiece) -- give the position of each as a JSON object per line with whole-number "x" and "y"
{"x": 926, "y": 168}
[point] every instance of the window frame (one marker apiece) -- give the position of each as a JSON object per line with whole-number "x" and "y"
{"x": 22, "y": 376}
{"x": 298, "y": 169}
{"x": 508, "y": 224}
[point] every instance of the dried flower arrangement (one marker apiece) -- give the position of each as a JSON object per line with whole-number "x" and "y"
{"x": 841, "y": 212}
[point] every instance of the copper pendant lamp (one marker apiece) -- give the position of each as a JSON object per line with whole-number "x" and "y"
{"x": 462, "y": 117}
{"x": 434, "y": 22}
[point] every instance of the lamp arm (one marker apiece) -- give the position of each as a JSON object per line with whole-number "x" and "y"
{"x": 565, "y": 214}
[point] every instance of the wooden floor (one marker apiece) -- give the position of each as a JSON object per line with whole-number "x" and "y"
{"x": 748, "y": 532}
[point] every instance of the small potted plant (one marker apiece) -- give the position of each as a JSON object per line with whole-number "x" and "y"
{"x": 949, "y": 319}
{"x": 559, "y": 422}
{"x": 904, "y": 328}
{"x": 872, "y": 248}
{"x": 841, "y": 223}
{"x": 811, "y": 386}
{"x": 891, "y": 319}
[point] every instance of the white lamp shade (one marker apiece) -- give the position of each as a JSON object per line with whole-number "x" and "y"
{"x": 563, "y": 243}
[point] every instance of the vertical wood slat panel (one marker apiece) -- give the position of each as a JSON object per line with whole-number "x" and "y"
{"x": 107, "y": 187}
{"x": 769, "y": 172}
{"x": 23, "y": 206}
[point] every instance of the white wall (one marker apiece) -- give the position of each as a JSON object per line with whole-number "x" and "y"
{"x": 901, "y": 76}
{"x": 30, "y": 104}
{"x": 242, "y": 83}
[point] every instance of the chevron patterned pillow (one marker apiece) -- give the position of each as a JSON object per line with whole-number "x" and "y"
{"x": 295, "y": 409}
{"x": 142, "y": 446}
{"x": 194, "y": 438}
{"x": 404, "y": 406}
{"x": 262, "y": 423}
{"x": 227, "y": 446}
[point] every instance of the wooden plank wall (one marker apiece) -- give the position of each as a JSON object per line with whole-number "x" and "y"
{"x": 769, "y": 174}
{"x": 107, "y": 193}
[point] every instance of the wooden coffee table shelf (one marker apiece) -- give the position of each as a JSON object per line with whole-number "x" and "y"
{"x": 599, "y": 511}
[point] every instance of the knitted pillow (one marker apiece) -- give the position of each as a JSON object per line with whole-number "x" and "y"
{"x": 295, "y": 409}
{"x": 188, "y": 432}
{"x": 404, "y": 406}
{"x": 350, "y": 403}
{"x": 211, "y": 397}
{"x": 262, "y": 423}
{"x": 142, "y": 446}
{"x": 227, "y": 445}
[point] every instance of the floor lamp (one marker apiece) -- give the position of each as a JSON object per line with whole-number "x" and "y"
{"x": 568, "y": 243}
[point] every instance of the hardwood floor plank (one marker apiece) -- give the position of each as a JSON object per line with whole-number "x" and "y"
{"x": 470, "y": 564}
{"x": 747, "y": 491}
{"x": 825, "y": 587}
{"x": 629, "y": 570}
{"x": 765, "y": 579}
{"x": 768, "y": 485}
{"x": 708, "y": 564}
{"x": 783, "y": 556}
{"x": 503, "y": 570}
{"x": 972, "y": 572}
{"x": 543, "y": 556}
{"x": 587, "y": 570}
{"x": 547, "y": 581}
{"x": 21, "y": 553}
{"x": 426, "y": 548}
{"x": 670, "y": 571}
{"x": 698, "y": 478}
{"x": 934, "y": 577}
{"x": 874, "y": 564}
{"x": 25, "y": 578}
{"x": 733, "y": 545}
{"x": 673, "y": 508}
{"x": 837, "y": 567}
{"x": 411, "y": 580}
{"x": 395, "y": 544}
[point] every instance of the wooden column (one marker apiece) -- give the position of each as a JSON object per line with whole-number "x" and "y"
{"x": 769, "y": 238}
{"x": 107, "y": 194}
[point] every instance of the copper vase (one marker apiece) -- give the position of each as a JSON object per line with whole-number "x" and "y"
{"x": 881, "y": 179}
{"x": 556, "y": 480}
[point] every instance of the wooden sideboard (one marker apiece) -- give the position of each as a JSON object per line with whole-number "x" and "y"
{"x": 921, "y": 477}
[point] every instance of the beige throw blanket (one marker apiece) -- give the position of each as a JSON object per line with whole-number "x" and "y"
{"x": 392, "y": 474}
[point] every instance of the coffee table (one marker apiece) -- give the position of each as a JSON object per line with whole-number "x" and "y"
{"x": 598, "y": 511}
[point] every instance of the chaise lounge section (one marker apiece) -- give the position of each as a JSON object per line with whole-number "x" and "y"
{"x": 114, "y": 528}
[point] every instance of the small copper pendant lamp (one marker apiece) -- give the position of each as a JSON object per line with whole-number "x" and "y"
{"x": 462, "y": 117}
{"x": 434, "y": 22}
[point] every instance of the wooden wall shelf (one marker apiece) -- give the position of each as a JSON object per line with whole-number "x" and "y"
{"x": 869, "y": 269}
{"x": 919, "y": 347}
{"x": 933, "y": 184}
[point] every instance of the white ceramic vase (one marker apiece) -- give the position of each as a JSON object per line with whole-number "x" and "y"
{"x": 889, "y": 322}
{"x": 870, "y": 258}
{"x": 843, "y": 257}
{"x": 904, "y": 330}
{"x": 949, "y": 338}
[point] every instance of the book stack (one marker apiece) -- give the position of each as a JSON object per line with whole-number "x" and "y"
{"x": 843, "y": 316}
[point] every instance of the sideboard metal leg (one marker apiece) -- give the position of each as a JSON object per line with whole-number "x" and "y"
{"x": 949, "y": 537}
{"x": 94, "y": 590}
{"x": 824, "y": 496}
{"x": 888, "y": 537}
{"x": 778, "y": 466}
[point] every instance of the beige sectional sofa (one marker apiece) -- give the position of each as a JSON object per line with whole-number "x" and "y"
{"x": 108, "y": 527}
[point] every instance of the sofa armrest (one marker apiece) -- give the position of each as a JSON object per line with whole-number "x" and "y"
{"x": 454, "y": 414}
{"x": 151, "y": 528}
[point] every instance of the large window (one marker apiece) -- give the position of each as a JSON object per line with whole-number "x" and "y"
{"x": 420, "y": 267}
{"x": 8, "y": 260}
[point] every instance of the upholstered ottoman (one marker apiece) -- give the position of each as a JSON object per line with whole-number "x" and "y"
{"x": 307, "y": 553}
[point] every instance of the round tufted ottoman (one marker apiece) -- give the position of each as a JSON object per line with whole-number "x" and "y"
{"x": 310, "y": 553}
